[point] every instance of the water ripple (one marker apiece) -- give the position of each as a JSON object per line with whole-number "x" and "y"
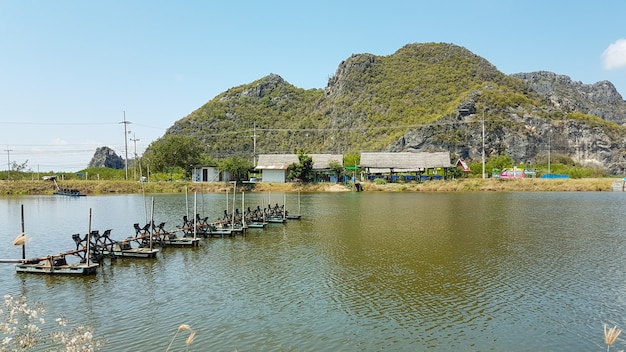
{"x": 361, "y": 272}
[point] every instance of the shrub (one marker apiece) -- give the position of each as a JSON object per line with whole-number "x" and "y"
{"x": 20, "y": 324}
{"x": 380, "y": 181}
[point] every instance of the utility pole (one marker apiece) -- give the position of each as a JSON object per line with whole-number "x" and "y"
{"x": 549, "y": 147}
{"x": 254, "y": 146}
{"x": 8, "y": 162}
{"x": 483, "y": 144}
{"x": 135, "y": 140}
{"x": 126, "y": 143}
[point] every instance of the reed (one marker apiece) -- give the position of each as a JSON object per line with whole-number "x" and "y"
{"x": 189, "y": 340}
{"x": 21, "y": 239}
{"x": 611, "y": 335}
{"x": 21, "y": 326}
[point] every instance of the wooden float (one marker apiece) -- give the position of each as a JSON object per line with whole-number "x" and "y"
{"x": 56, "y": 265}
{"x": 124, "y": 249}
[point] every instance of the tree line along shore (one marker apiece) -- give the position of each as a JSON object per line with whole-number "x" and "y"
{"x": 99, "y": 187}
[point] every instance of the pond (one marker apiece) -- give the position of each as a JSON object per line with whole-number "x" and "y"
{"x": 359, "y": 272}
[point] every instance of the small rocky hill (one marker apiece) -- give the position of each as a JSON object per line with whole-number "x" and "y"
{"x": 106, "y": 157}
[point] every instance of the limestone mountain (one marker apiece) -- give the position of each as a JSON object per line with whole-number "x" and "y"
{"x": 106, "y": 157}
{"x": 430, "y": 96}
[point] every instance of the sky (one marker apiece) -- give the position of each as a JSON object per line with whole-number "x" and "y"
{"x": 71, "y": 72}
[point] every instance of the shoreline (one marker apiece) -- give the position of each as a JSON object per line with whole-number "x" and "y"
{"x": 101, "y": 187}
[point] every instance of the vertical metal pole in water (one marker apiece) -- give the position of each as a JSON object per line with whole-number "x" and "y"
{"x": 263, "y": 207}
{"x": 23, "y": 234}
{"x": 145, "y": 209}
{"x": 232, "y": 223}
{"x": 284, "y": 206}
{"x": 243, "y": 210}
{"x": 88, "y": 253}
{"x": 195, "y": 218}
{"x": 202, "y": 194}
{"x": 151, "y": 222}
{"x": 187, "y": 204}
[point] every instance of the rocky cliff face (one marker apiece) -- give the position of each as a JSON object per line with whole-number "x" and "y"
{"x": 525, "y": 140}
{"x": 599, "y": 99}
{"x": 527, "y": 135}
{"x": 106, "y": 157}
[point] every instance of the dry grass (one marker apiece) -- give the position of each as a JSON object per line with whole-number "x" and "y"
{"x": 611, "y": 335}
{"x": 460, "y": 185}
{"x": 21, "y": 239}
{"x": 189, "y": 339}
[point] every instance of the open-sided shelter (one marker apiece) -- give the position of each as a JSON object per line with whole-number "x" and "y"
{"x": 410, "y": 164}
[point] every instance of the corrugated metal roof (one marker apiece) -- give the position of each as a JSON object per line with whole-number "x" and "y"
{"x": 282, "y": 161}
{"x": 272, "y": 167}
{"x": 372, "y": 170}
{"x": 276, "y": 161}
{"x": 405, "y": 160}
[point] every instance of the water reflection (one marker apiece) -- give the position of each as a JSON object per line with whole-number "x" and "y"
{"x": 360, "y": 271}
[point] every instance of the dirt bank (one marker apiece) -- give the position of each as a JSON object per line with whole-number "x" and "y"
{"x": 461, "y": 185}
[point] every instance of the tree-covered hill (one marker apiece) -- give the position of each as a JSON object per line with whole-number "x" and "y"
{"x": 424, "y": 96}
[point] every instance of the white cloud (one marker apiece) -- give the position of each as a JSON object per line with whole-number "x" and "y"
{"x": 615, "y": 55}
{"x": 59, "y": 141}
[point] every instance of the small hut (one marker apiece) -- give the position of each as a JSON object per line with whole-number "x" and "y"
{"x": 461, "y": 164}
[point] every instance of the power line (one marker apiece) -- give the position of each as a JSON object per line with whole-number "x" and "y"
{"x": 350, "y": 128}
{"x": 56, "y": 123}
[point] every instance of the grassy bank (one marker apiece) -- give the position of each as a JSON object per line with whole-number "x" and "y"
{"x": 499, "y": 185}
{"x": 462, "y": 185}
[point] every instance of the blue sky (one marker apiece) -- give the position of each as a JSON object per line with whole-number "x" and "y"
{"x": 71, "y": 70}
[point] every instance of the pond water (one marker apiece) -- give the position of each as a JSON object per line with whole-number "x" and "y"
{"x": 359, "y": 272}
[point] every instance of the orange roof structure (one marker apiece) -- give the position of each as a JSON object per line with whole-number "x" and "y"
{"x": 463, "y": 165}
